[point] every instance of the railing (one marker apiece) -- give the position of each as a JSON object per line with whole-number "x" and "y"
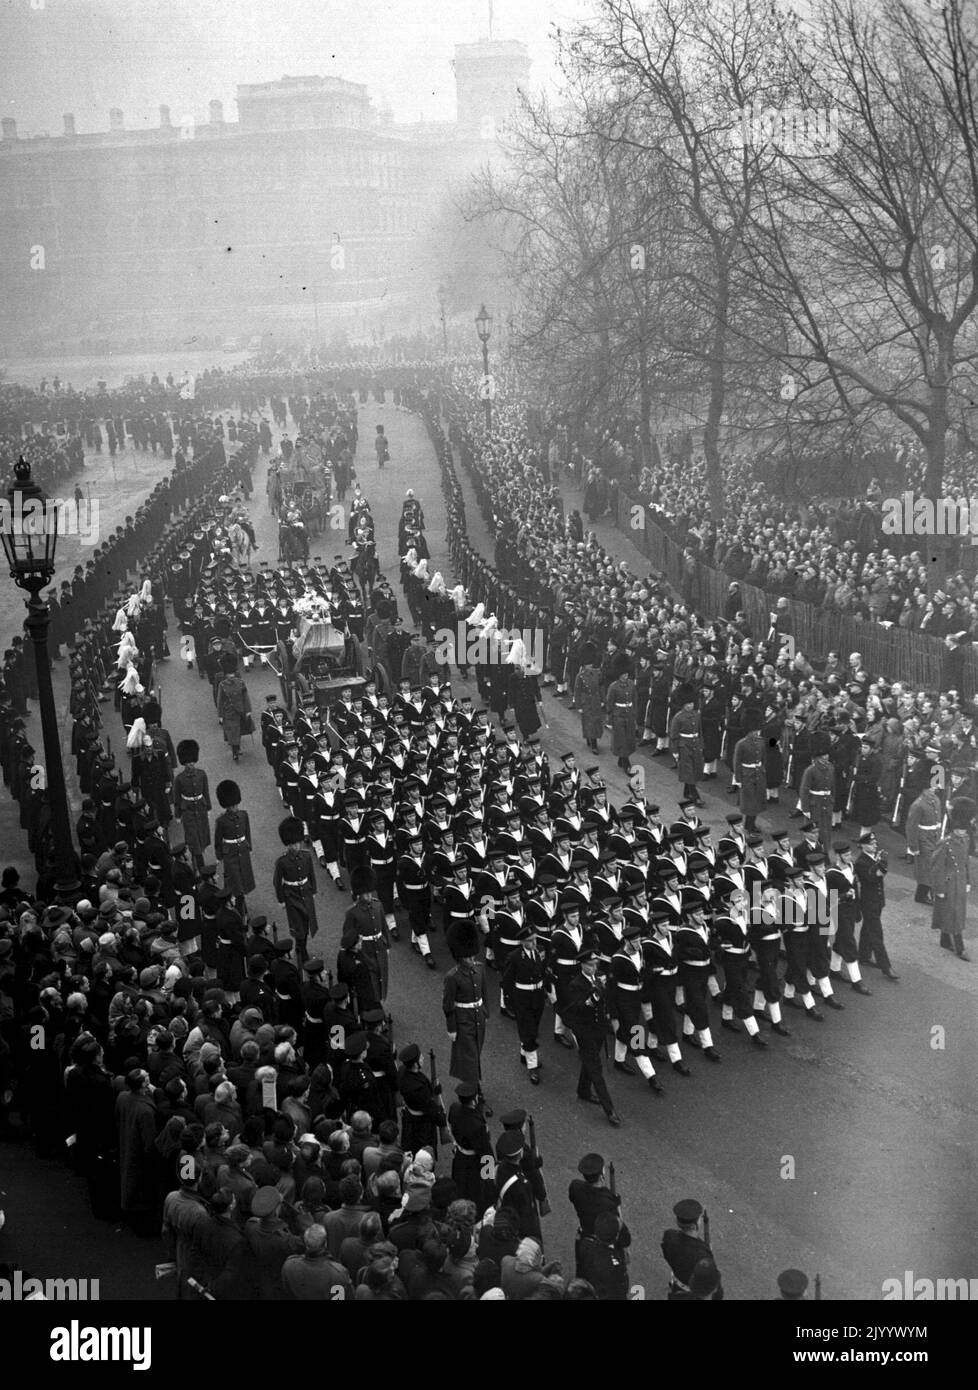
{"x": 914, "y": 657}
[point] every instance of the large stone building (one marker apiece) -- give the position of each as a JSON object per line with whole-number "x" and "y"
{"x": 308, "y": 210}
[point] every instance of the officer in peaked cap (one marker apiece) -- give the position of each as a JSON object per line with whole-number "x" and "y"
{"x": 683, "y": 1247}
{"x": 792, "y": 1284}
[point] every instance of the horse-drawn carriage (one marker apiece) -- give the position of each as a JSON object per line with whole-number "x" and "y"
{"x": 319, "y": 652}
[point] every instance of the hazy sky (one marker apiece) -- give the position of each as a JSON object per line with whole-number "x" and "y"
{"x": 85, "y": 56}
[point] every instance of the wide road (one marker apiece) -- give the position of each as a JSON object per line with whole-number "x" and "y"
{"x": 848, "y": 1149}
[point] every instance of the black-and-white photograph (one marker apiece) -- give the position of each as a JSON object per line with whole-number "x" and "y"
{"x": 489, "y": 696}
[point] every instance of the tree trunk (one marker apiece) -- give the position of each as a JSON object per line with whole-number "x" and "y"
{"x": 936, "y": 557}
{"x": 645, "y": 422}
{"x": 711, "y": 431}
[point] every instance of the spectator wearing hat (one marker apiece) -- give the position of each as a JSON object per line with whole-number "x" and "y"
{"x": 525, "y": 1275}
{"x": 270, "y": 1243}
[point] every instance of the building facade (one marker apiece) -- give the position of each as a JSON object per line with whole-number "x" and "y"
{"x": 307, "y": 211}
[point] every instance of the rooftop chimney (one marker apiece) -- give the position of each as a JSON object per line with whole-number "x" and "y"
{"x": 165, "y": 118}
{"x": 9, "y": 127}
{"x": 217, "y": 113}
{"x": 115, "y": 119}
{"x": 69, "y": 123}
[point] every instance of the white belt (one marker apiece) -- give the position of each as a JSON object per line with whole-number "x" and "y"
{"x": 476, "y": 1004}
{"x": 241, "y": 840}
{"x": 747, "y": 765}
{"x": 192, "y": 798}
{"x": 504, "y": 941}
{"x": 825, "y": 793}
{"x": 628, "y": 705}
{"x": 775, "y": 936}
{"x": 521, "y": 986}
{"x": 735, "y": 950}
{"x": 294, "y": 882}
{"x": 381, "y": 862}
{"x": 620, "y": 985}
{"x": 565, "y": 962}
{"x": 689, "y": 735}
{"x": 929, "y": 827}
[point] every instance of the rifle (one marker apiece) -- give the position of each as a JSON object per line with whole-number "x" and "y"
{"x": 898, "y": 804}
{"x": 818, "y": 1288}
{"x": 706, "y": 1230}
{"x": 543, "y": 1206}
{"x": 199, "y": 1289}
{"x": 852, "y": 788}
{"x": 444, "y": 1133}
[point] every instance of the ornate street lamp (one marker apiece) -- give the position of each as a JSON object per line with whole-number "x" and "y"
{"x": 483, "y": 325}
{"x": 29, "y": 532}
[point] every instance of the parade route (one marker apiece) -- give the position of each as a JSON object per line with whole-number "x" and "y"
{"x": 848, "y": 1149}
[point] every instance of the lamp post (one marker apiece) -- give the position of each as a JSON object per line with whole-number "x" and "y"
{"x": 442, "y": 296}
{"x": 483, "y": 325}
{"x": 30, "y": 536}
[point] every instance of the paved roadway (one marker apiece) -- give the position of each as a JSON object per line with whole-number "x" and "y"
{"x": 847, "y": 1150}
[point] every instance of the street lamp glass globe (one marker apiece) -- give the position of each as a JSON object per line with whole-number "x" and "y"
{"x": 29, "y": 531}
{"x": 483, "y": 323}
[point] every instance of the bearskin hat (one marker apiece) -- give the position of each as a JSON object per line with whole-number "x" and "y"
{"x": 290, "y": 831}
{"x": 753, "y": 721}
{"x": 229, "y": 794}
{"x": 962, "y": 813}
{"x": 463, "y": 939}
{"x": 188, "y": 750}
{"x": 362, "y": 880}
{"x": 821, "y": 743}
{"x": 152, "y": 712}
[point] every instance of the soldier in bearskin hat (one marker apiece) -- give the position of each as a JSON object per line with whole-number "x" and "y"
{"x": 294, "y": 881}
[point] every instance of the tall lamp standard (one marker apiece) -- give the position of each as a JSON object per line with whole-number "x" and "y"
{"x": 442, "y": 297}
{"x": 483, "y": 324}
{"x": 30, "y": 537}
